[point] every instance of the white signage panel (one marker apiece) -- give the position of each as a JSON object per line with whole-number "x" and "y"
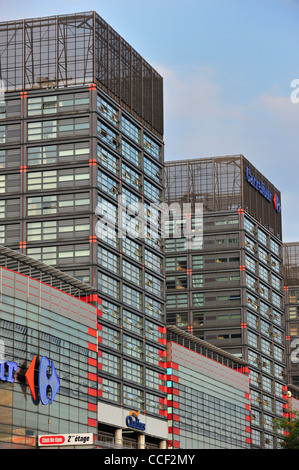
{"x": 65, "y": 440}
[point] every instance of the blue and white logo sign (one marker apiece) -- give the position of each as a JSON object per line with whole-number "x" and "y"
{"x": 261, "y": 188}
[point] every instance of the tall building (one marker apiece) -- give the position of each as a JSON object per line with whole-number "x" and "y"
{"x": 227, "y": 289}
{"x": 291, "y": 281}
{"x": 81, "y": 152}
{"x": 48, "y": 356}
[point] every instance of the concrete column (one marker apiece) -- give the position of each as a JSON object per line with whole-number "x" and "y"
{"x": 141, "y": 441}
{"x": 118, "y": 436}
{"x": 162, "y": 445}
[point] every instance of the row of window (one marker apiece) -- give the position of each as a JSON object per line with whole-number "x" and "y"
{"x": 131, "y": 371}
{"x": 73, "y": 103}
{"x": 113, "y": 187}
{"x": 195, "y": 281}
{"x": 130, "y": 296}
{"x": 200, "y": 319}
{"x": 201, "y": 299}
{"x": 263, "y": 255}
{"x": 132, "y": 397}
{"x": 261, "y": 236}
{"x": 265, "y": 365}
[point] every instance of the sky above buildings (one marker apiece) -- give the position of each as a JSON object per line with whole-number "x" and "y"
{"x": 227, "y": 65}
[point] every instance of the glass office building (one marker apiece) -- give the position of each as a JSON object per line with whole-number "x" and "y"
{"x": 227, "y": 288}
{"x": 81, "y": 152}
{"x": 291, "y": 281}
{"x": 48, "y": 347}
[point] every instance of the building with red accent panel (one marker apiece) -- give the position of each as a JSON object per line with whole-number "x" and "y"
{"x": 81, "y": 125}
{"x": 44, "y": 316}
{"x": 227, "y": 287}
{"x": 208, "y": 395}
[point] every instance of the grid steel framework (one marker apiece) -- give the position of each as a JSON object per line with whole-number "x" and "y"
{"x": 78, "y": 49}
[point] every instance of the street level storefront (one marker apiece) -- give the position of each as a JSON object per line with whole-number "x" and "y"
{"x": 48, "y": 367}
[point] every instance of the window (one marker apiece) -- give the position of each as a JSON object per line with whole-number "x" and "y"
{"x": 250, "y": 226}
{"x": 133, "y": 347}
{"x": 133, "y": 397}
{"x": 153, "y": 261}
{"x": 263, "y": 238}
{"x": 108, "y": 111}
{"x": 9, "y": 233}
{"x": 130, "y": 153}
{"x": 130, "y": 129}
{"x": 43, "y": 105}
{"x": 10, "y": 133}
{"x": 132, "y": 322}
{"x": 197, "y": 262}
{"x": 108, "y": 285}
{"x": 132, "y": 249}
{"x": 151, "y": 147}
{"x": 175, "y": 245}
{"x": 197, "y": 281}
{"x": 107, "y": 135}
{"x": 153, "y": 308}
{"x": 276, "y": 299}
{"x": 276, "y": 282}
{"x": 197, "y": 299}
{"x": 107, "y": 159}
{"x": 153, "y": 379}
{"x": 110, "y": 311}
{"x": 52, "y": 179}
{"x": 131, "y": 176}
{"x": 109, "y": 363}
{"x": 264, "y": 273}
{"x": 176, "y": 264}
{"x": 43, "y": 130}
{"x": 152, "y": 284}
{"x": 107, "y": 184}
{"x": 110, "y": 337}
{"x": 109, "y": 389}
{"x": 131, "y": 272}
{"x": 133, "y": 372}
{"x": 10, "y": 158}
{"x": 152, "y": 192}
{"x": 176, "y": 300}
{"x": 108, "y": 260}
{"x": 132, "y": 297}
{"x": 63, "y": 153}
{"x": 274, "y": 247}
{"x": 152, "y": 169}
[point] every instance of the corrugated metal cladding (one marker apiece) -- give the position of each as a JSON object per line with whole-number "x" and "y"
{"x": 68, "y": 50}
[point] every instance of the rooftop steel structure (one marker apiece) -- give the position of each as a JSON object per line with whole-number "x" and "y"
{"x": 219, "y": 183}
{"x": 291, "y": 263}
{"x": 67, "y": 50}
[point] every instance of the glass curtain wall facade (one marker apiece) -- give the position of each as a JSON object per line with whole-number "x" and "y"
{"x": 81, "y": 151}
{"x": 228, "y": 291}
{"x": 291, "y": 280}
{"x": 40, "y": 323}
{"x": 209, "y": 400}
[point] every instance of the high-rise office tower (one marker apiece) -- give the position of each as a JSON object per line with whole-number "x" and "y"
{"x": 81, "y": 124}
{"x": 291, "y": 286}
{"x": 227, "y": 288}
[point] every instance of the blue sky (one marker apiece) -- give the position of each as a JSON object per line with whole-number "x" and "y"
{"x": 227, "y": 67}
